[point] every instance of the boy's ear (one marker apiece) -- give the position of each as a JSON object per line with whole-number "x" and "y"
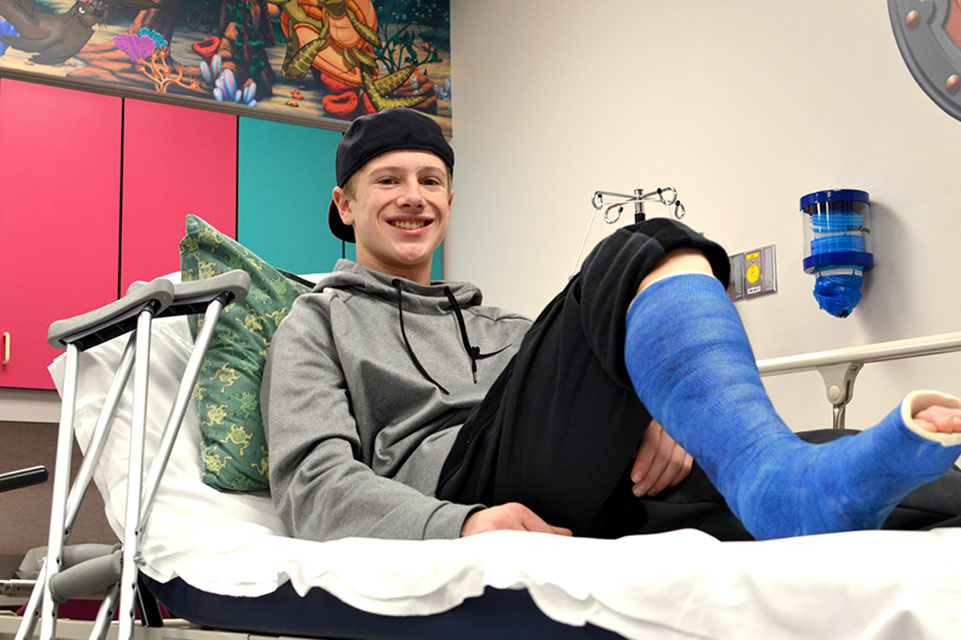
{"x": 342, "y": 200}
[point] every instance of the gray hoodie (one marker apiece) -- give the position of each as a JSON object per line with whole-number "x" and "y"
{"x": 368, "y": 381}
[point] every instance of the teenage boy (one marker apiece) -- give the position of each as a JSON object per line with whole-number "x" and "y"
{"x": 400, "y": 408}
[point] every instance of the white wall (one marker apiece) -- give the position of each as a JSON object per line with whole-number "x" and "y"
{"x": 742, "y": 105}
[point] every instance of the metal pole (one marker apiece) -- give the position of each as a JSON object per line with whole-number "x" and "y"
{"x": 61, "y": 482}
{"x": 179, "y": 408}
{"x": 138, "y": 426}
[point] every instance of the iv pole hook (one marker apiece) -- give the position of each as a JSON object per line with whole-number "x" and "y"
{"x": 666, "y": 196}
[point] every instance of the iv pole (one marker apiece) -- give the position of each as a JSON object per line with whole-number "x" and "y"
{"x": 666, "y": 196}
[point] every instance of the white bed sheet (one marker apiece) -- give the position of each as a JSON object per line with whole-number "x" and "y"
{"x": 677, "y": 585}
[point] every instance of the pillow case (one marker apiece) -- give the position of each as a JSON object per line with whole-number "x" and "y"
{"x": 227, "y": 394}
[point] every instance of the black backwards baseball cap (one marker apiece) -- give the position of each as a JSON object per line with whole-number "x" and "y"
{"x": 374, "y": 135}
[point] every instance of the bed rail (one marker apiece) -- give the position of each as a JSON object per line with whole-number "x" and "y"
{"x": 840, "y": 367}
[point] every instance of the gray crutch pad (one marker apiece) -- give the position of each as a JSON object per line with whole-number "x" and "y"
{"x": 111, "y": 320}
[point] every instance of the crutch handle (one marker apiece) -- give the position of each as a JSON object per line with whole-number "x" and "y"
{"x": 91, "y": 576}
{"x": 77, "y": 553}
{"x": 111, "y": 320}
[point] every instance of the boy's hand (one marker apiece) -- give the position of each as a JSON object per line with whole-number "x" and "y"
{"x": 513, "y": 516}
{"x": 659, "y": 462}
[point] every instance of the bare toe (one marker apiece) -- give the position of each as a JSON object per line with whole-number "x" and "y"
{"x": 937, "y": 419}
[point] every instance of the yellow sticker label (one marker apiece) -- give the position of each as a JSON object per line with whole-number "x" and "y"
{"x": 753, "y": 256}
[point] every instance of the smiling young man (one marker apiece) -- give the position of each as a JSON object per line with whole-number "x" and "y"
{"x": 400, "y": 408}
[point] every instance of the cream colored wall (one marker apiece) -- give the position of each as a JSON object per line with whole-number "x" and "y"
{"x": 744, "y": 106}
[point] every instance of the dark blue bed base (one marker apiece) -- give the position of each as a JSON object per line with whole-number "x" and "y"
{"x": 501, "y": 614}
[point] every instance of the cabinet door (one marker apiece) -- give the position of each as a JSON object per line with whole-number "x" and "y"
{"x": 176, "y": 161}
{"x": 60, "y": 211}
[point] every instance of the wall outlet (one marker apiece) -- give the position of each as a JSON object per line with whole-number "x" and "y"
{"x": 753, "y": 273}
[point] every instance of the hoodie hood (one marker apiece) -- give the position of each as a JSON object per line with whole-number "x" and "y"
{"x": 349, "y": 276}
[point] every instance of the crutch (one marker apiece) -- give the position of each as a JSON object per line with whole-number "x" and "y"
{"x": 117, "y": 316}
{"x": 73, "y": 571}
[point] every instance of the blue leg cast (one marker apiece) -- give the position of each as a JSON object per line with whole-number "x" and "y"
{"x": 693, "y": 368}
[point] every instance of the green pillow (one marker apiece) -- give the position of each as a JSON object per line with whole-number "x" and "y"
{"x": 227, "y": 395}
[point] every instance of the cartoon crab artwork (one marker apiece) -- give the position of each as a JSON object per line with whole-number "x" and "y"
{"x": 338, "y": 39}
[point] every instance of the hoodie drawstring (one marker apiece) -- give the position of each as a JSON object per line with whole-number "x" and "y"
{"x": 410, "y": 350}
{"x": 474, "y": 353}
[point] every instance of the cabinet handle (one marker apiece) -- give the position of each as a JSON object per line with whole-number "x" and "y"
{"x": 6, "y": 347}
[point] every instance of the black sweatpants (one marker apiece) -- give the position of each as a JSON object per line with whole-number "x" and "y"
{"x": 559, "y": 428}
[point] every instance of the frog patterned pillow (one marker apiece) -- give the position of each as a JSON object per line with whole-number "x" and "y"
{"x": 227, "y": 394}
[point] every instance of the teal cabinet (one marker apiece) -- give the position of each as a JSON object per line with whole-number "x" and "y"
{"x": 285, "y": 174}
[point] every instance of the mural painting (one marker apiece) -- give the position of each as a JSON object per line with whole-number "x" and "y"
{"x": 306, "y": 58}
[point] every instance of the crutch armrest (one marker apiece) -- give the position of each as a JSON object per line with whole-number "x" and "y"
{"x": 111, "y": 320}
{"x": 194, "y": 296}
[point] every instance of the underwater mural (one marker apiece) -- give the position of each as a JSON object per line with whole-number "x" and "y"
{"x": 302, "y": 58}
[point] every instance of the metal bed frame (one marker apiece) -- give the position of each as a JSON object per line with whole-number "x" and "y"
{"x": 840, "y": 367}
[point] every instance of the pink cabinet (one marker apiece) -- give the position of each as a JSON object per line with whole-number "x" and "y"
{"x": 93, "y": 194}
{"x": 176, "y": 161}
{"x": 59, "y": 217}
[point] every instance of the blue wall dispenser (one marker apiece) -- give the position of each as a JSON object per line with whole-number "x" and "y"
{"x": 837, "y": 246}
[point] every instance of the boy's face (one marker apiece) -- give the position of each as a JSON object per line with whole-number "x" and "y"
{"x": 399, "y": 212}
